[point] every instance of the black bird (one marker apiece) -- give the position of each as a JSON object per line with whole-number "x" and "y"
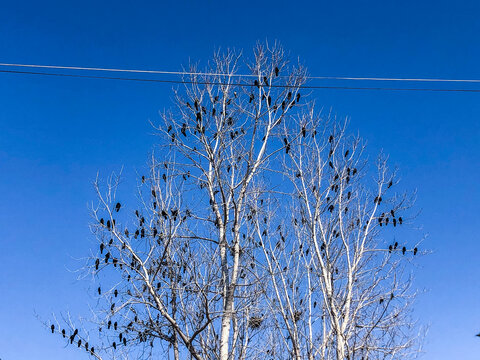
{"x": 102, "y": 221}
{"x": 143, "y": 179}
{"x": 124, "y": 342}
{"x": 102, "y": 246}
{"x": 276, "y": 71}
{"x": 347, "y": 152}
{"x": 349, "y": 195}
{"x": 118, "y": 206}
{"x": 330, "y": 164}
{"x": 298, "y": 97}
{"x": 390, "y": 249}
{"x": 97, "y": 263}
{"x": 415, "y": 251}
{"x": 99, "y": 290}
{"x": 107, "y": 256}
{"x": 390, "y": 184}
{"x": 137, "y": 213}
{"x": 251, "y": 98}
{"x": 395, "y": 245}
{"x": 184, "y": 128}
{"x": 392, "y": 212}
{"x": 137, "y": 233}
{"x": 115, "y": 325}
{"x": 79, "y": 343}
{"x": 354, "y": 171}
{"x": 287, "y": 148}
{"x": 75, "y": 332}
{"x": 403, "y": 250}
{"x": 330, "y": 139}
{"x": 265, "y": 80}
{"x": 86, "y": 346}
{"x": 400, "y": 220}
{"x": 304, "y": 131}
{"x": 114, "y": 345}
{"x": 164, "y": 177}
{"x": 394, "y": 222}
{"x": 115, "y": 292}
{"x": 154, "y": 194}
{"x": 169, "y": 128}
{"x": 53, "y": 328}
{"x": 126, "y": 232}
{"x": 63, "y": 332}
{"x": 155, "y": 231}
{"x": 256, "y": 83}
{"x": 108, "y": 224}
{"x": 381, "y": 300}
{"x": 289, "y": 95}
{"x": 142, "y": 233}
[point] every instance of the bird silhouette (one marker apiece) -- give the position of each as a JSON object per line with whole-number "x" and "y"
{"x": 99, "y": 290}
{"x": 63, "y": 332}
{"x": 97, "y": 263}
{"x": 390, "y": 184}
{"x": 404, "y": 249}
{"x": 53, "y": 328}
{"x": 347, "y": 152}
{"x": 276, "y": 71}
{"x": 415, "y": 251}
{"x": 118, "y": 206}
{"x": 400, "y": 220}
{"x": 115, "y": 292}
{"x": 298, "y": 97}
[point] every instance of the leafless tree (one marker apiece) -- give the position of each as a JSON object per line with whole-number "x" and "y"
{"x": 258, "y": 234}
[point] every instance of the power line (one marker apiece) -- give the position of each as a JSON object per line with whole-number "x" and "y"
{"x": 237, "y": 84}
{"x": 164, "y": 72}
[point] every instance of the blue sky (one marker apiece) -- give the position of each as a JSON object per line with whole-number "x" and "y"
{"x": 56, "y": 133}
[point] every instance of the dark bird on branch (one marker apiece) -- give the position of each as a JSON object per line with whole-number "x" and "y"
{"x": 415, "y": 251}
{"x": 404, "y": 249}
{"x": 99, "y": 290}
{"x": 63, "y": 332}
{"x": 118, "y": 206}
{"x": 97, "y": 263}
{"x": 400, "y": 220}
{"x": 53, "y": 328}
{"x": 276, "y": 71}
{"x": 126, "y": 232}
{"x": 390, "y": 184}
{"x": 251, "y": 98}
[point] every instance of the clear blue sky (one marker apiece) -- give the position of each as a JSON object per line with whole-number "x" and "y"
{"x": 56, "y": 133}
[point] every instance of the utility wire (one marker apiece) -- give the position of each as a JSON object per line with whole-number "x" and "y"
{"x": 237, "y": 84}
{"x": 236, "y": 75}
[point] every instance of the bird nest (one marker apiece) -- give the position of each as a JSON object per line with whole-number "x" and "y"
{"x": 255, "y": 322}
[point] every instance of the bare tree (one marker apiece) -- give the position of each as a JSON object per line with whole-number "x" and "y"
{"x": 257, "y": 235}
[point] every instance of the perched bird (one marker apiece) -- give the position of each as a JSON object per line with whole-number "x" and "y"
{"x": 99, "y": 291}
{"x": 63, "y": 332}
{"x": 97, "y": 263}
{"x": 102, "y": 246}
{"x": 330, "y": 139}
{"x": 114, "y": 345}
{"x": 118, "y": 206}
{"x": 53, "y": 328}
{"x": 395, "y": 245}
{"x": 251, "y": 98}
{"x": 276, "y": 71}
{"x": 304, "y": 131}
{"x": 404, "y": 249}
{"x": 126, "y": 232}
{"x": 390, "y": 184}
{"x": 115, "y": 292}
{"x": 347, "y": 152}
{"x": 298, "y": 97}
{"x": 415, "y": 251}
{"x": 79, "y": 343}
{"x": 102, "y": 221}
{"x": 400, "y": 220}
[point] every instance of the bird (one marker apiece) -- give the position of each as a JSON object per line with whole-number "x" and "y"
{"x": 115, "y": 292}
{"x": 347, "y": 152}
{"x": 395, "y": 245}
{"x": 304, "y": 131}
{"x": 256, "y": 84}
{"x": 97, "y": 263}
{"x": 251, "y": 98}
{"x": 390, "y": 184}
{"x": 298, "y": 97}
{"x": 415, "y": 251}
{"x": 118, "y": 206}
{"x": 115, "y": 325}
{"x": 99, "y": 290}
{"x": 114, "y": 345}
{"x": 79, "y": 342}
{"x": 102, "y": 246}
{"x": 276, "y": 71}
{"x": 392, "y": 212}
{"x": 400, "y": 220}
{"x": 404, "y": 249}
{"x": 75, "y": 332}
{"x": 63, "y": 332}
{"x": 53, "y": 328}
{"x": 390, "y": 249}
{"x": 330, "y": 139}
{"x": 102, "y": 221}
{"x": 126, "y": 232}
